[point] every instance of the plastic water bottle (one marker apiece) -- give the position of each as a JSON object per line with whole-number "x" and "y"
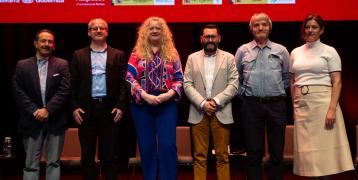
{"x": 7, "y": 150}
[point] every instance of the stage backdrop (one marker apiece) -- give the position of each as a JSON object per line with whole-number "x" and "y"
{"x": 19, "y": 23}
{"x": 124, "y": 11}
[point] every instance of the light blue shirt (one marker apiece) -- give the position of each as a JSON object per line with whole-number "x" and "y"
{"x": 98, "y": 66}
{"x": 42, "y": 66}
{"x": 263, "y": 71}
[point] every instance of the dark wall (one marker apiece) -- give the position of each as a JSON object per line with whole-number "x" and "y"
{"x": 17, "y": 43}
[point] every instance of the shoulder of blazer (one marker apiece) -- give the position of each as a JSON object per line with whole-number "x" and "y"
{"x": 86, "y": 50}
{"x": 27, "y": 63}
{"x": 28, "y": 60}
{"x": 111, "y": 50}
{"x": 200, "y": 53}
{"x": 197, "y": 54}
{"x": 57, "y": 60}
{"x": 225, "y": 53}
{"x": 83, "y": 51}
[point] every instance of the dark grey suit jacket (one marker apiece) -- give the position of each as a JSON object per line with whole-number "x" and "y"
{"x": 27, "y": 94}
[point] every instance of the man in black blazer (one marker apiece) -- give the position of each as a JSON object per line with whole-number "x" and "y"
{"x": 41, "y": 90}
{"x": 99, "y": 99}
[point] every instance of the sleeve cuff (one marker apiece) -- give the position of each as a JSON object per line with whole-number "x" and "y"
{"x": 202, "y": 104}
{"x": 34, "y": 113}
{"x": 178, "y": 95}
{"x": 217, "y": 101}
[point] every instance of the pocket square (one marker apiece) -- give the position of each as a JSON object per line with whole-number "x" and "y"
{"x": 54, "y": 75}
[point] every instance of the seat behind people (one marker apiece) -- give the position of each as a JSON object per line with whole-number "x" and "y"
{"x": 71, "y": 153}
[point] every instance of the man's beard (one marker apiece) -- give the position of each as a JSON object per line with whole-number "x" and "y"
{"x": 210, "y": 47}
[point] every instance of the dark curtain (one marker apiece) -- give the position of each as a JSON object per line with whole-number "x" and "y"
{"x": 17, "y": 43}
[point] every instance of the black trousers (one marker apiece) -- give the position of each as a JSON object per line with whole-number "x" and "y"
{"x": 98, "y": 124}
{"x": 257, "y": 116}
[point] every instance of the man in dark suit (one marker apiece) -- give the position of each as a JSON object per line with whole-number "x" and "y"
{"x": 99, "y": 98}
{"x": 41, "y": 90}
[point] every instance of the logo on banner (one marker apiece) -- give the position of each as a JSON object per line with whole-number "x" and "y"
{"x": 27, "y": 1}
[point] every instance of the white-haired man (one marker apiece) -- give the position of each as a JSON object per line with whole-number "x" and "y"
{"x": 264, "y": 78}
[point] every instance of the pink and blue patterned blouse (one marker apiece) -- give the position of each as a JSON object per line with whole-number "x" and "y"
{"x": 155, "y": 77}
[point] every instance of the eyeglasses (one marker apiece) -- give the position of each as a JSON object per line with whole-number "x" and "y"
{"x": 97, "y": 28}
{"x": 208, "y": 37}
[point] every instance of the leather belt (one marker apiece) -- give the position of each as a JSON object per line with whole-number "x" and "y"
{"x": 307, "y": 89}
{"x": 98, "y": 99}
{"x": 267, "y": 99}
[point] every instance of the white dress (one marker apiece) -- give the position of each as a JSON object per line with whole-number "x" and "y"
{"x": 317, "y": 151}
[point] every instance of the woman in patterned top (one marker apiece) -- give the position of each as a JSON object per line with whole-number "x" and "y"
{"x": 156, "y": 77}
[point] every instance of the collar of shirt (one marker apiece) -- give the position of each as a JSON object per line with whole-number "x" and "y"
{"x": 100, "y": 51}
{"x": 40, "y": 59}
{"x": 211, "y": 55}
{"x": 253, "y": 44}
{"x": 313, "y": 44}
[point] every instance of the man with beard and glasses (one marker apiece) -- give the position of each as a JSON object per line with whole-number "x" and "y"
{"x": 264, "y": 79}
{"x": 99, "y": 99}
{"x": 210, "y": 82}
{"x": 41, "y": 90}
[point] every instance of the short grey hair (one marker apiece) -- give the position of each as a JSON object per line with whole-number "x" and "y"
{"x": 262, "y": 16}
{"x": 95, "y": 19}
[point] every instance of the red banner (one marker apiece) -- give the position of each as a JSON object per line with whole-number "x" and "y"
{"x": 81, "y": 11}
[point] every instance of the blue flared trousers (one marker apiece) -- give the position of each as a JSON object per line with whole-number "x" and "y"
{"x": 156, "y": 134}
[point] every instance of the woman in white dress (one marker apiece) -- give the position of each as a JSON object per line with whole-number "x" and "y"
{"x": 321, "y": 147}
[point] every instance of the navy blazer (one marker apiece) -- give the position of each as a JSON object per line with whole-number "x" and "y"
{"x": 81, "y": 79}
{"x": 27, "y": 94}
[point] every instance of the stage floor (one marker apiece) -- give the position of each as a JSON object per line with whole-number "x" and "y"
{"x": 185, "y": 173}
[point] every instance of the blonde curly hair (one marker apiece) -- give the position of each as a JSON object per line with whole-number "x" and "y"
{"x": 143, "y": 46}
